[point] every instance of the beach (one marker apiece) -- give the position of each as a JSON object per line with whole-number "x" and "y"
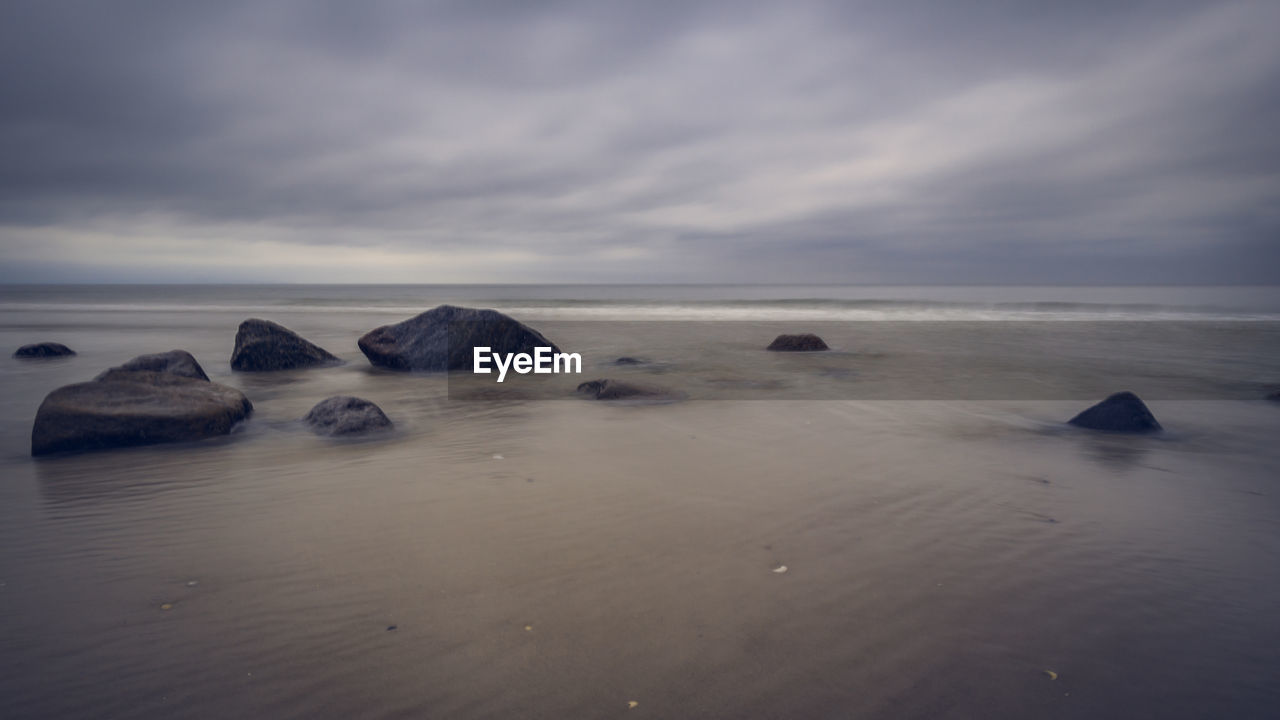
{"x": 863, "y": 533}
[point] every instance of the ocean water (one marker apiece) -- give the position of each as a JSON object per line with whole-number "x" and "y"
{"x": 952, "y": 549}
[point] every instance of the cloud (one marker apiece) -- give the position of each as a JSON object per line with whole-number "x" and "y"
{"x": 584, "y": 141}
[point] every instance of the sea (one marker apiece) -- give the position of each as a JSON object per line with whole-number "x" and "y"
{"x": 903, "y": 526}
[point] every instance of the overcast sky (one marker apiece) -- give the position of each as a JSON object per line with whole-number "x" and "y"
{"x": 733, "y": 141}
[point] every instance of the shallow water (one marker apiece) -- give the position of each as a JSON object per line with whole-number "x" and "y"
{"x": 558, "y": 559}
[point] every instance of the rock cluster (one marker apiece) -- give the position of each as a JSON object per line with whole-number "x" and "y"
{"x": 167, "y": 397}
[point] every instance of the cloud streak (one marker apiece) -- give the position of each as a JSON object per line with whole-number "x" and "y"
{"x": 501, "y": 142}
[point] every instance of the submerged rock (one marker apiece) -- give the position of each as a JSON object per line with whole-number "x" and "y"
{"x": 345, "y": 415}
{"x": 174, "y": 362}
{"x": 797, "y": 343}
{"x": 262, "y": 345}
{"x": 606, "y": 389}
{"x": 150, "y": 399}
{"x": 628, "y": 361}
{"x": 444, "y": 338}
{"x": 43, "y": 350}
{"x": 1121, "y": 412}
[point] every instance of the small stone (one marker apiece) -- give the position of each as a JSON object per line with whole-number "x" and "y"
{"x": 43, "y": 350}
{"x": 345, "y": 415}
{"x": 806, "y": 342}
{"x": 606, "y": 389}
{"x": 1122, "y": 412}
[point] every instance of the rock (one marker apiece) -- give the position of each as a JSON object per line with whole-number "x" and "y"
{"x": 443, "y": 339}
{"x": 797, "y": 343}
{"x": 1274, "y": 397}
{"x": 43, "y": 350}
{"x": 1122, "y": 412}
{"x": 142, "y": 406}
{"x": 343, "y": 415}
{"x": 174, "y": 362}
{"x": 263, "y": 345}
{"x": 628, "y": 361}
{"x": 606, "y": 389}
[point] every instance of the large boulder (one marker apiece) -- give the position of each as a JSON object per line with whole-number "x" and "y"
{"x": 607, "y": 389}
{"x": 797, "y": 343}
{"x": 1122, "y": 412}
{"x": 150, "y": 399}
{"x": 344, "y": 415}
{"x": 263, "y": 345}
{"x": 444, "y": 338}
{"x": 174, "y": 362}
{"x": 43, "y": 350}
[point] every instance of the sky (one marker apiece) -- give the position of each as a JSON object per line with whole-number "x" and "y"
{"x": 946, "y": 142}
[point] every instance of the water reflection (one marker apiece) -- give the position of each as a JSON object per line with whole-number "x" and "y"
{"x": 126, "y": 473}
{"x": 1118, "y": 453}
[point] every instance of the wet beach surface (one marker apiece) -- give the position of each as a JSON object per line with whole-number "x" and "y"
{"x": 550, "y": 559}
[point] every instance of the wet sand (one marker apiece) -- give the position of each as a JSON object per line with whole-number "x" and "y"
{"x": 940, "y": 558}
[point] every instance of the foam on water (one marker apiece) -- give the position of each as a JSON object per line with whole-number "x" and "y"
{"x": 660, "y": 302}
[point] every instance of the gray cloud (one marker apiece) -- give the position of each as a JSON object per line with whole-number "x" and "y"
{"x": 659, "y": 141}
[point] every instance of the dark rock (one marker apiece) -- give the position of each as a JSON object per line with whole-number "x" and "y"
{"x": 263, "y": 345}
{"x": 44, "y": 350}
{"x": 444, "y": 338}
{"x": 1121, "y": 412}
{"x": 628, "y": 361}
{"x": 141, "y": 406}
{"x": 174, "y": 362}
{"x": 614, "y": 390}
{"x": 1274, "y": 397}
{"x": 797, "y": 343}
{"x": 343, "y": 415}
